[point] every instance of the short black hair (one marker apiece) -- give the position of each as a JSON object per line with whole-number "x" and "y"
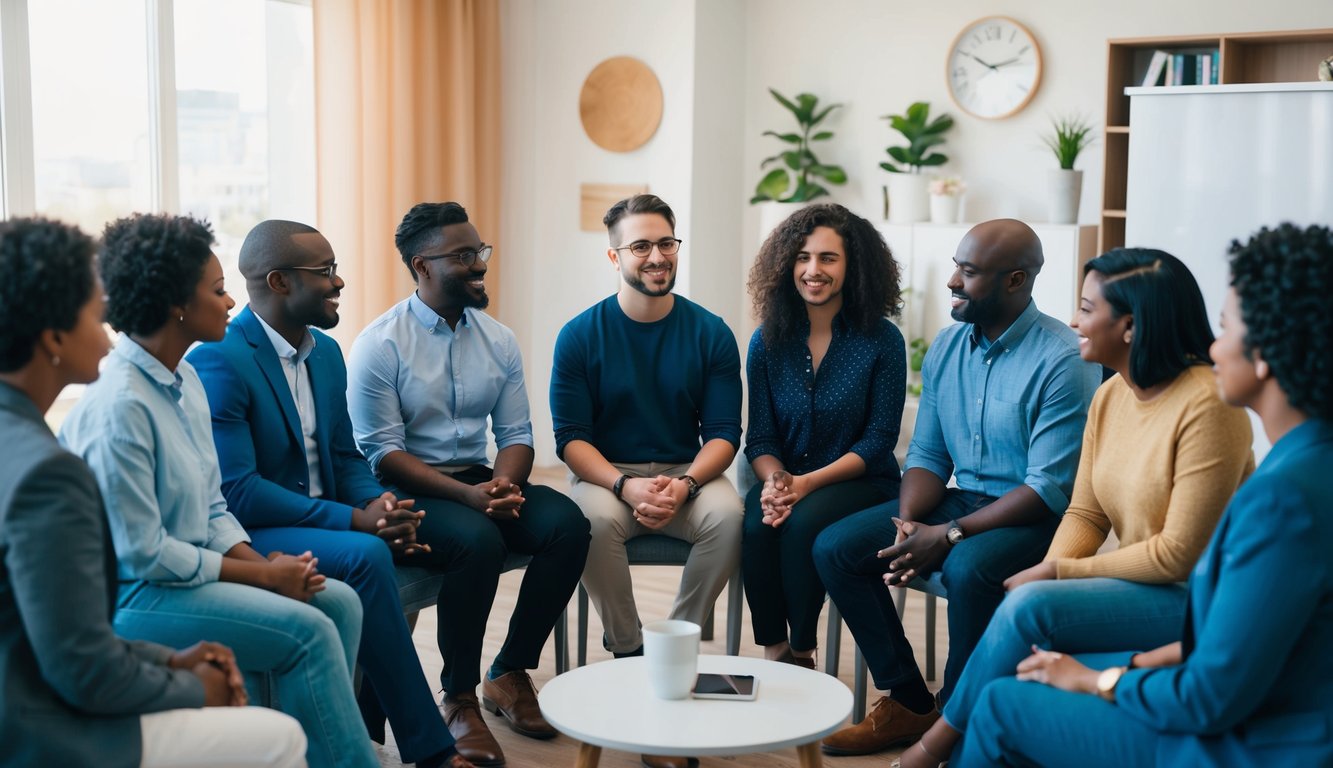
{"x": 268, "y": 246}
{"x": 48, "y": 277}
{"x": 1283, "y": 278}
{"x": 151, "y": 262}
{"x": 1171, "y": 331}
{"x": 870, "y": 288}
{"x": 422, "y": 225}
{"x": 644, "y": 203}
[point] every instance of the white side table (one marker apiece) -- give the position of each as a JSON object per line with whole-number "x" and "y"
{"x": 609, "y": 705}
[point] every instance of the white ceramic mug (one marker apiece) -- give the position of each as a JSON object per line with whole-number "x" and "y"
{"x": 671, "y": 648}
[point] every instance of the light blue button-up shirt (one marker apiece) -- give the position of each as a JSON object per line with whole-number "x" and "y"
{"x": 1005, "y": 413}
{"x": 146, "y": 433}
{"x": 414, "y": 384}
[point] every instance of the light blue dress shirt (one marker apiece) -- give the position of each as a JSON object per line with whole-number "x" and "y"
{"x": 414, "y": 384}
{"x": 1005, "y": 413}
{"x": 146, "y": 433}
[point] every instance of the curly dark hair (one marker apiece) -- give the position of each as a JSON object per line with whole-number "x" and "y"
{"x": 48, "y": 277}
{"x": 870, "y": 290}
{"x": 421, "y": 226}
{"x": 151, "y": 262}
{"x": 1283, "y": 278}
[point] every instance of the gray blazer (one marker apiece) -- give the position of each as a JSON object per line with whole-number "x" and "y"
{"x": 71, "y": 692}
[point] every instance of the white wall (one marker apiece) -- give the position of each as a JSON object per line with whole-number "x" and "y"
{"x": 716, "y": 59}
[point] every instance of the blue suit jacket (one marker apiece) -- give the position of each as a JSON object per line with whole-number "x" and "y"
{"x": 1256, "y": 687}
{"x": 258, "y": 434}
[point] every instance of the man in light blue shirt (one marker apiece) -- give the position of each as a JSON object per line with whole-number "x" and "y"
{"x": 423, "y": 380}
{"x": 1002, "y": 411}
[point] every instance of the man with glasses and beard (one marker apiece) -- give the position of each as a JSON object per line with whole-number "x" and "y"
{"x": 645, "y": 400}
{"x": 291, "y": 473}
{"x": 424, "y": 378}
{"x": 1002, "y": 411}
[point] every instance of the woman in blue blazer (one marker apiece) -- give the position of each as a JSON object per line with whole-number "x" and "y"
{"x": 1251, "y": 683}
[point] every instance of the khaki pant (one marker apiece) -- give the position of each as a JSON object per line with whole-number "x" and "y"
{"x": 711, "y": 523}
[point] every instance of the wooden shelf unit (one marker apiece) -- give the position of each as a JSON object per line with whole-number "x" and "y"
{"x": 1251, "y": 57}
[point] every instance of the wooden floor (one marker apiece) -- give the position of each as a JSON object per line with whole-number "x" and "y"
{"x": 654, "y": 590}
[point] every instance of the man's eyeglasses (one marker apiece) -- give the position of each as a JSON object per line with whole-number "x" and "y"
{"x": 329, "y": 271}
{"x": 642, "y": 249}
{"x": 466, "y": 258}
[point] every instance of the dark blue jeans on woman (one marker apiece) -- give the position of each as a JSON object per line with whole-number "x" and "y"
{"x": 777, "y": 564}
{"x": 973, "y": 572}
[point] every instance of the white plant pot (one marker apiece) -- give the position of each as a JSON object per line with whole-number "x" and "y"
{"x": 909, "y": 198}
{"x": 944, "y": 209}
{"x": 772, "y": 213}
{"x": 1063, "y": 189}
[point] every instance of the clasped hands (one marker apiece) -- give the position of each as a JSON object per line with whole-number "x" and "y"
{"x": 498, "y": 498}
{"x": 780, "y": 493}
{"x": 215, "y": 666}
{"x": 654, "y": 500}
{"x": 918, "y": 549}
{"x": 394, "y": 521}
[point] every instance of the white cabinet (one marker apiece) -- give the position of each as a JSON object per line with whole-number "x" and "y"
{"x": 926, "y": 253}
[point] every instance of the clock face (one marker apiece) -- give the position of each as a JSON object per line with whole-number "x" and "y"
{"x": 994, "y": 67}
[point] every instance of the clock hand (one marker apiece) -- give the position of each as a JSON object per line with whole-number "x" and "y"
{"x": 982, "y": 63}
{"x": 1014, "y": 60}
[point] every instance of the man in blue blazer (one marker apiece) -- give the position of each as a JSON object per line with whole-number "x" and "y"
{"x": 291, "y": 472}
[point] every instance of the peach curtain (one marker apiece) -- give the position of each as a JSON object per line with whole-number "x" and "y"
{"x": 407, "y": 97}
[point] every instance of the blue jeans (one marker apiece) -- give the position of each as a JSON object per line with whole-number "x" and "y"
{"x": 973, "y": 572}
{"x": 1073, "y": 616}
{"x": 1022, "y": 724}
{"x": 309, "y": 650}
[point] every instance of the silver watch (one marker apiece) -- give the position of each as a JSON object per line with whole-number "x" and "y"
{"x": 955, "y": 534}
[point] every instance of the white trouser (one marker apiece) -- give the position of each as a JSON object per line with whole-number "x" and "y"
{"x": 222, "y": 737}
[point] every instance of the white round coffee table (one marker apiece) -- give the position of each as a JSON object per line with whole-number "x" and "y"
{"x": 609, "y": 705}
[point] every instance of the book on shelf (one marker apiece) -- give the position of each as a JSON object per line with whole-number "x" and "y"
{"x": 1155, "y": 68}
{"x": 1166, "y": 68}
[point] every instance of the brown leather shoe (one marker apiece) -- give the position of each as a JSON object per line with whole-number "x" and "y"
{"x": 512, "y": 696}
{"x": 887, "y": 725}
{"x": 472, "y": 738}
{"x": 662, "y": 761}
{"x": 458, "y": 761}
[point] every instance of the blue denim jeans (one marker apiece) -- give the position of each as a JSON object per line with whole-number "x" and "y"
{"x": 308, "y": 649}
{"x": 973, "y": 572}
{"x": 1072, "y": 616}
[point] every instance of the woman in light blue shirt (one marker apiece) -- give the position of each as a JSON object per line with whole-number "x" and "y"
{"x": 186, "y": 568}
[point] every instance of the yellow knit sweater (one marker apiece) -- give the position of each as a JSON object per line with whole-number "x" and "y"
{"x": 1159, "y": 473}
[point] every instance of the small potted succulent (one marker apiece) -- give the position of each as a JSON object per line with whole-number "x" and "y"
{"x": 906, "y": 196}
{"x": 945, "y": 194}
{"x": 1069, "y": 136}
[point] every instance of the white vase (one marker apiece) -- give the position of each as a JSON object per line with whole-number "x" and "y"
{"x": 1063, "y": 189}
{"x": 909, "y": 198}
{"x": 944, "y": 209}
{"x": 773, "y": 213}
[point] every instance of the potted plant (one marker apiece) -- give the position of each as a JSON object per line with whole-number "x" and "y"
{"x": 1068, "y": 138}
{"x": 797, "y": 179}
{"x": 916, "y": 358}
{"x": 906, "y": 199}
{"x": 945, "y": 192}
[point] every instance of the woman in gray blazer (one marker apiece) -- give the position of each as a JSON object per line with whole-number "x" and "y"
{"x": 71, "y": 692}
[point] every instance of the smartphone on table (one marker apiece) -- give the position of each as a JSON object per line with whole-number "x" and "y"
{"x": 725, "y": 687}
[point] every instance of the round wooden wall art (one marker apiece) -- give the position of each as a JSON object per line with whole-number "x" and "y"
{"x": 621, "y": 104}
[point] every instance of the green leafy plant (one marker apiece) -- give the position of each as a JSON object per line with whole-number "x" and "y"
{"x": 916, "y": 357}
{"x": 922, "y": 134}
{"x": 795, "y": 181}
{"x": 1069, "y": 136}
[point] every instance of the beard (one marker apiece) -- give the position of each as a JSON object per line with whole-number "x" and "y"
{"x": 975, "y": 310}
{"x": 457, "y": 292}
{"x": 637, "y": 283}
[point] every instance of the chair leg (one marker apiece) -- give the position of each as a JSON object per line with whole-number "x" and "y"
{"x": 859, "y": 688}
{"x": 583, "y": 626}
{"x": 562, "y": 642}
{"x": 930, "y": 637}
{"x": 735, "y": 604}
{"x": 833, "y": 643}
{"x": 900, "y": 600}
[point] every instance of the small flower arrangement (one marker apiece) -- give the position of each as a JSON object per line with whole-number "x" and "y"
{"x": 947, "y": 186}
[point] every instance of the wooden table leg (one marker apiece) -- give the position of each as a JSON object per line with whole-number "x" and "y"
{"x": 810, "y": 755}
{"x": 589, "y": 756}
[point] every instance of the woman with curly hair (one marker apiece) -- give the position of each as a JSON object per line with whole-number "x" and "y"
{"x": 186, "y": 567}
{"x": 827, "y": 379}
{"x": 1249, "y": 684}
{"x": 1162, "y": 455}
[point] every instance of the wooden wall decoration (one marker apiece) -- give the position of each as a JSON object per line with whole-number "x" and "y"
{"x": 621, "y": 104}
{"x": 596, "y": 199}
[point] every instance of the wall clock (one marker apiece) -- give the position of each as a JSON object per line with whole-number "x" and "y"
{"x": 994, "y": 67}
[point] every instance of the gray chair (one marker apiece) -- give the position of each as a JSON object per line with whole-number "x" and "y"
{"x": 933, "y": 588}
{"x": 656, "y": 549}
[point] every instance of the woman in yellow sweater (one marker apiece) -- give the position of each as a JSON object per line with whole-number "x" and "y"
{"x": 1162, "y": 455}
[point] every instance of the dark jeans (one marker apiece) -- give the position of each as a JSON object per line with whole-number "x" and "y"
{"x": 470, "y": 549}
{"x": 973, "y": 572}
{"x": 781, "y": 583}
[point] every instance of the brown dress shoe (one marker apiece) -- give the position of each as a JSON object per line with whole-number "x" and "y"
{"x": 458, "y": 761}
{"x": 512, "y": 696}
{"x": 472, "y": 738}
{"x": 887, "y": 725}
{"x": 662, "y": 761}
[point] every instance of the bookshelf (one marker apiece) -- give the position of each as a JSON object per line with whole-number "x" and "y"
{"x": 1251, "y": 57}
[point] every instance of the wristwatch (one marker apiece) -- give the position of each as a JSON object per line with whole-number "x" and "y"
{"x": 618, "y": 487}
{"x": 1107, "y": 681}
{"x": 694, "y": 487}
{"x": 955, "y": 534}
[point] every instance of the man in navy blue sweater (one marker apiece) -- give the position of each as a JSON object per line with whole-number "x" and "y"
{"x": 646, "y": 398}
